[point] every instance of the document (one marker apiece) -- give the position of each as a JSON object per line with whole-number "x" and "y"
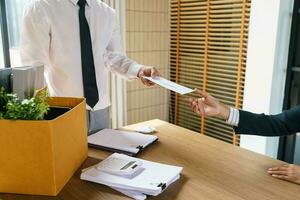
{"x": 170, "y": 85}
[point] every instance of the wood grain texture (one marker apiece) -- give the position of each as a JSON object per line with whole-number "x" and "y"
{"x": 213, "y": 170}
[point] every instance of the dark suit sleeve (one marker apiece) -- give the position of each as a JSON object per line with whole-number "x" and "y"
{"x": 286, "y": 123}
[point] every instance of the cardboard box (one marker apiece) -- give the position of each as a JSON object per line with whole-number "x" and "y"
{"x": 39, "y": 157}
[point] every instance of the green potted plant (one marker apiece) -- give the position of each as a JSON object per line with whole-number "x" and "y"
{"x": 34, "y": 108}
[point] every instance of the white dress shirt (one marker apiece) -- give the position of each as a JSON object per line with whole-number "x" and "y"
{"x": 234, "y": 117}
{"x": 51, "y": 36}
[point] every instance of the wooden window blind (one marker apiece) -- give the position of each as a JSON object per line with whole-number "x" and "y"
{"x": 208, "y": 51}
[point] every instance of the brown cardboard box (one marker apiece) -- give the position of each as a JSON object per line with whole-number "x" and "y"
{"x": 39, "y": 157}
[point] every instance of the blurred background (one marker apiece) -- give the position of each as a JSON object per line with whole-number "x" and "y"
{"x": 244, "y": 52}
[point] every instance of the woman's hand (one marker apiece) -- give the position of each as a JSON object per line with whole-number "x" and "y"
{"x": 209, "y": 106}
{"x": 286, "y": 172}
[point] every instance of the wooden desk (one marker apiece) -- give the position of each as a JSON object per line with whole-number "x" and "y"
{"x": 213, "y": 170}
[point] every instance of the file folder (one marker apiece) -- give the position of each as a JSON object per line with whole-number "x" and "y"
{"x": 137, "y": 195}
{"x": 5, "y": 79}
{"x": 25, "y": 80}
{"x": 126, "y": 142}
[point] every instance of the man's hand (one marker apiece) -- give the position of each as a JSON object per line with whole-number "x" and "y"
{"x": 286, "y": 172}
{"x": 149, "y": 72}
{"x": 209, "y": 106}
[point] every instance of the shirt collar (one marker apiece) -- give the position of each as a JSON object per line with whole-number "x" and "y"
{"x": 88, "y": 2}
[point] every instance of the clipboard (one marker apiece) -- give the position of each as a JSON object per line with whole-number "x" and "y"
{"x": 125, "y": 142}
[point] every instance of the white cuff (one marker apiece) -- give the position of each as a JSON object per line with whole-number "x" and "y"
{"x": 134, "y": 70}
{"x": 234, "y": 117}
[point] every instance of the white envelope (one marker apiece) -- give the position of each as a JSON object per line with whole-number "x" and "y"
{"x": 170, "y": 85}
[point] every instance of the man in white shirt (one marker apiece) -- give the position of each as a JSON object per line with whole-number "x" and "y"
{"x": 78, "y": 43}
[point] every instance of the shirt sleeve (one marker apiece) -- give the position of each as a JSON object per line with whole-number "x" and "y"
{"x": 234, "y": 117}
{"x": 116, "y": 60}
{"x": 35, "y": 36}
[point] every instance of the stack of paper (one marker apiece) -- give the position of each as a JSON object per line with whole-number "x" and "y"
{"x": 130, "y": 143}
{"x": 151, "y": 179}
{"x": 25, "y": 80}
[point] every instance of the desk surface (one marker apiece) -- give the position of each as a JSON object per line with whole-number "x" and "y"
{"x": 213, "y": 170}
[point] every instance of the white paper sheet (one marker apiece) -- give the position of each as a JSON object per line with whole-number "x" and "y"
{"x": 170, "y": 85}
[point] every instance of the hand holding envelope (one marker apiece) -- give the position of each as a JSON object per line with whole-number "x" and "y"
{"x": 170, "y": 85}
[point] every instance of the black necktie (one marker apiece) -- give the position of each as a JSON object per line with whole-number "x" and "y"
{"x": 87, "y": 59}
